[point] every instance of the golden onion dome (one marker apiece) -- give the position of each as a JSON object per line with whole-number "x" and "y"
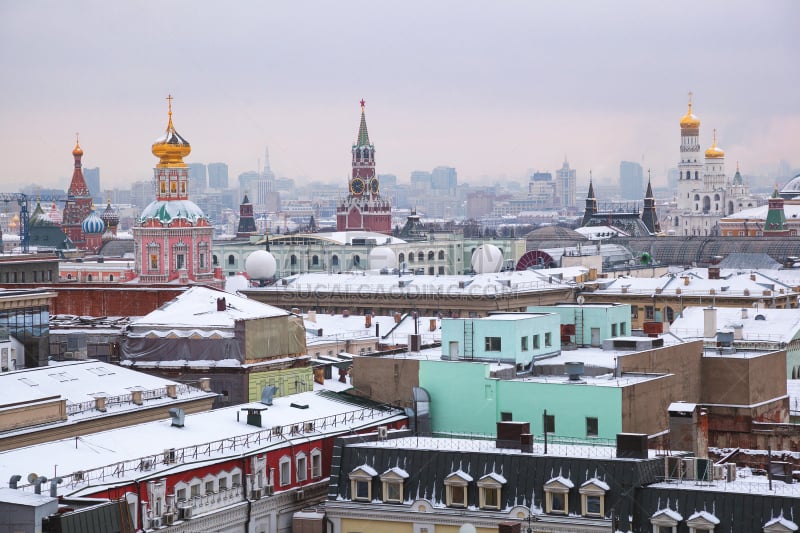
{"x": 689, "y": 120}
{"x": 714, "y": 152}
{"x": 77, "y": 150}
{"x": 171, "y": 148}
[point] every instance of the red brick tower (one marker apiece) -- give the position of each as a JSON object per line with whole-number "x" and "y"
{"x": 363, "y": 209}
{"x": 79, "y": 202}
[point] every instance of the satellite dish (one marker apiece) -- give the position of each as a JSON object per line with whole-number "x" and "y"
{"x": 580, "y": 300}
{"x": 32, "y": 477}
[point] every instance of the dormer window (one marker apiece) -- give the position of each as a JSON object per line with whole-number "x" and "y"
{"x": 665, "y": 521}
{"x": 702, "y": 522}
{"x": 780, "y": 525}
{"x": 392, "y": 481}
{"x": 593, "y": 495}
{"x": 556, "y": 493}
{"x": 456, "y": 485}
{"x": 361, "y": 483}
{"x": 489, "y": 489}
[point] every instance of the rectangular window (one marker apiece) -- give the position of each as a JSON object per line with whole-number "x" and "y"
{"x": 195, "y": 490}
{"x": 593, "y": 505}
{"x": 557, "y": 502}
{"x": 286, "y": 473}
{"x": 392, "y": 492}
{"x": 236, "y": 480}
{"x": 524, "y": 343}
{"x": 613, "y": 330}
{"x": 316, "y": 465}
{"x": 492, "y": 344}
{"x": 202, "y": 260}
{"x": 362, "y": 490}
{"x": 491, "y": 498}
{"x": 649, "y": 312}
{"x": 302, "y": 468}
{"x": 623, "y": 330}
{"x": 548, "y": 339}
{"x": 458, "y": 496}
{"x": 223, "y": 483}
{"x": 179, "y": 261}
{"x": 153, "y": 261}
{"x": 506, "y": 416}
{"x": 550, "y": 423}
{"x": 209, "y": 487}
{"x": 536, "y": 342}
{"x": 634, "y": 312}
{"x": 181, "y": 495}
{"x": 591, "y": 426}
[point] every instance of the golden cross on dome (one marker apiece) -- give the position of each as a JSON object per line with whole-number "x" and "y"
{"x": 169, "y": 103}
{"x": 690, "y": 97}
{"x": 76, "y": 137}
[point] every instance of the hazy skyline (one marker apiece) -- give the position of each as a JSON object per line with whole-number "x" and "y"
{"x": 491, "y": 89}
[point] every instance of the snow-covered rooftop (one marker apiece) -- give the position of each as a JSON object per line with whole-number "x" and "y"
{"x": 196, "y": 308}
{"x": 696, "y": 281}
{"x": 763, "y": 324}
{"x": 340, "y": 327}
{"x": 134, "y": 452}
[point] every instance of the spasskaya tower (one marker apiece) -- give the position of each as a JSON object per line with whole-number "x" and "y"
{"x": 363, "y": 209}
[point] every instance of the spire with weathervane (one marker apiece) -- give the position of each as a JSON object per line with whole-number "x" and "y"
{"x": 649, "y": 215}
{"x": 591, "y": 203}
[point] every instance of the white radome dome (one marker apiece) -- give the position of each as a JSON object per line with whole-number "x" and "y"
{"x": 487, "y": 258}
{"x": 260, "y": 265}
{"x": 382, "y": 257}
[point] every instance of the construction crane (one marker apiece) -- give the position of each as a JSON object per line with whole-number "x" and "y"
{"x": 23, "y": 200}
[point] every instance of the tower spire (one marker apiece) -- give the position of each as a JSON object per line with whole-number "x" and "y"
{"x": 363, "y": 135}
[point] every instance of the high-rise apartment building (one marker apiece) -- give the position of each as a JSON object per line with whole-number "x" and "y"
{"x": 631, "y": 180}
{"x": 197, "y": 177}
{"x": 566, "y": 185}
{"x": 218, "y": 175}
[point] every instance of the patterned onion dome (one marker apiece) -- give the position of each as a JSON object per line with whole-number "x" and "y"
{"x": 93, "y": 224}
{"x": 110, "y": 216}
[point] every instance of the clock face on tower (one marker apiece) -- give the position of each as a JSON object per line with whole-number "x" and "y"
{"x": 374, "y": 185}
{"x": 357, "y": 186}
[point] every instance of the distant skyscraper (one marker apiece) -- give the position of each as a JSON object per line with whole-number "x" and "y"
{"x": 444, "y": 180}
{"x": 420, "y": 180}
{"x": 388, "y": 180}
{"x": 92, "y": 177}
{"x": 566, "y": 183}
{"x": 197, "y": 177}
{"x": 218, "y": 175}
{"x": 631, "y": 180}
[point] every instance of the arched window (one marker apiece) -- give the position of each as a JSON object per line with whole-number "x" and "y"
{"x": 214, "y": 260}
{"x": 696, "y": 175}
{"x": 293, "y": 260}
{"x": 335, "y": 260}
{"x": 688, "y": 174}
{"x": 696, "y": 197}
{"x": 231, "y": 259}
{"x": 431, "y": 256}
{"x": 88, "y": 278}
{"x": 706, "y": 204}
{"x": 401, "y": 258}
{"x": 716, "y": 197}
{"x": 315, "y": 260}
{"x": 111, "y": 277}
{"x": 421, "y": 256}
{"x": 411, "y": 257}
{"x": 441, "y": 255}
{"x": 356, "y": 260}
{"x": 677, "y": 222}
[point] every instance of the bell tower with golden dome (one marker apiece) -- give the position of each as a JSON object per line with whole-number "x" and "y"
{"x": 690, "y": 167}
{"x": 172, "y": 236}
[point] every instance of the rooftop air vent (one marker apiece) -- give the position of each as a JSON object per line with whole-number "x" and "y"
{"x": 574, "y": 370}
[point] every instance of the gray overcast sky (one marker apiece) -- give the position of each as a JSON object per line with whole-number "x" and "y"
{"x": 491, "y": 88}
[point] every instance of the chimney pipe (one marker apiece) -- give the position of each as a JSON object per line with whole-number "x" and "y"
{"x": 12, "y": 483}
{"x": 54, "y": 486}
{"x": 172, "y": 390}
{"x": 367, "y": 321}
{"x": 709, "y": 322}
{"x": 221, "y": 305}
{"x": 37, "y": 484}
{"x": 744, "y": 312}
